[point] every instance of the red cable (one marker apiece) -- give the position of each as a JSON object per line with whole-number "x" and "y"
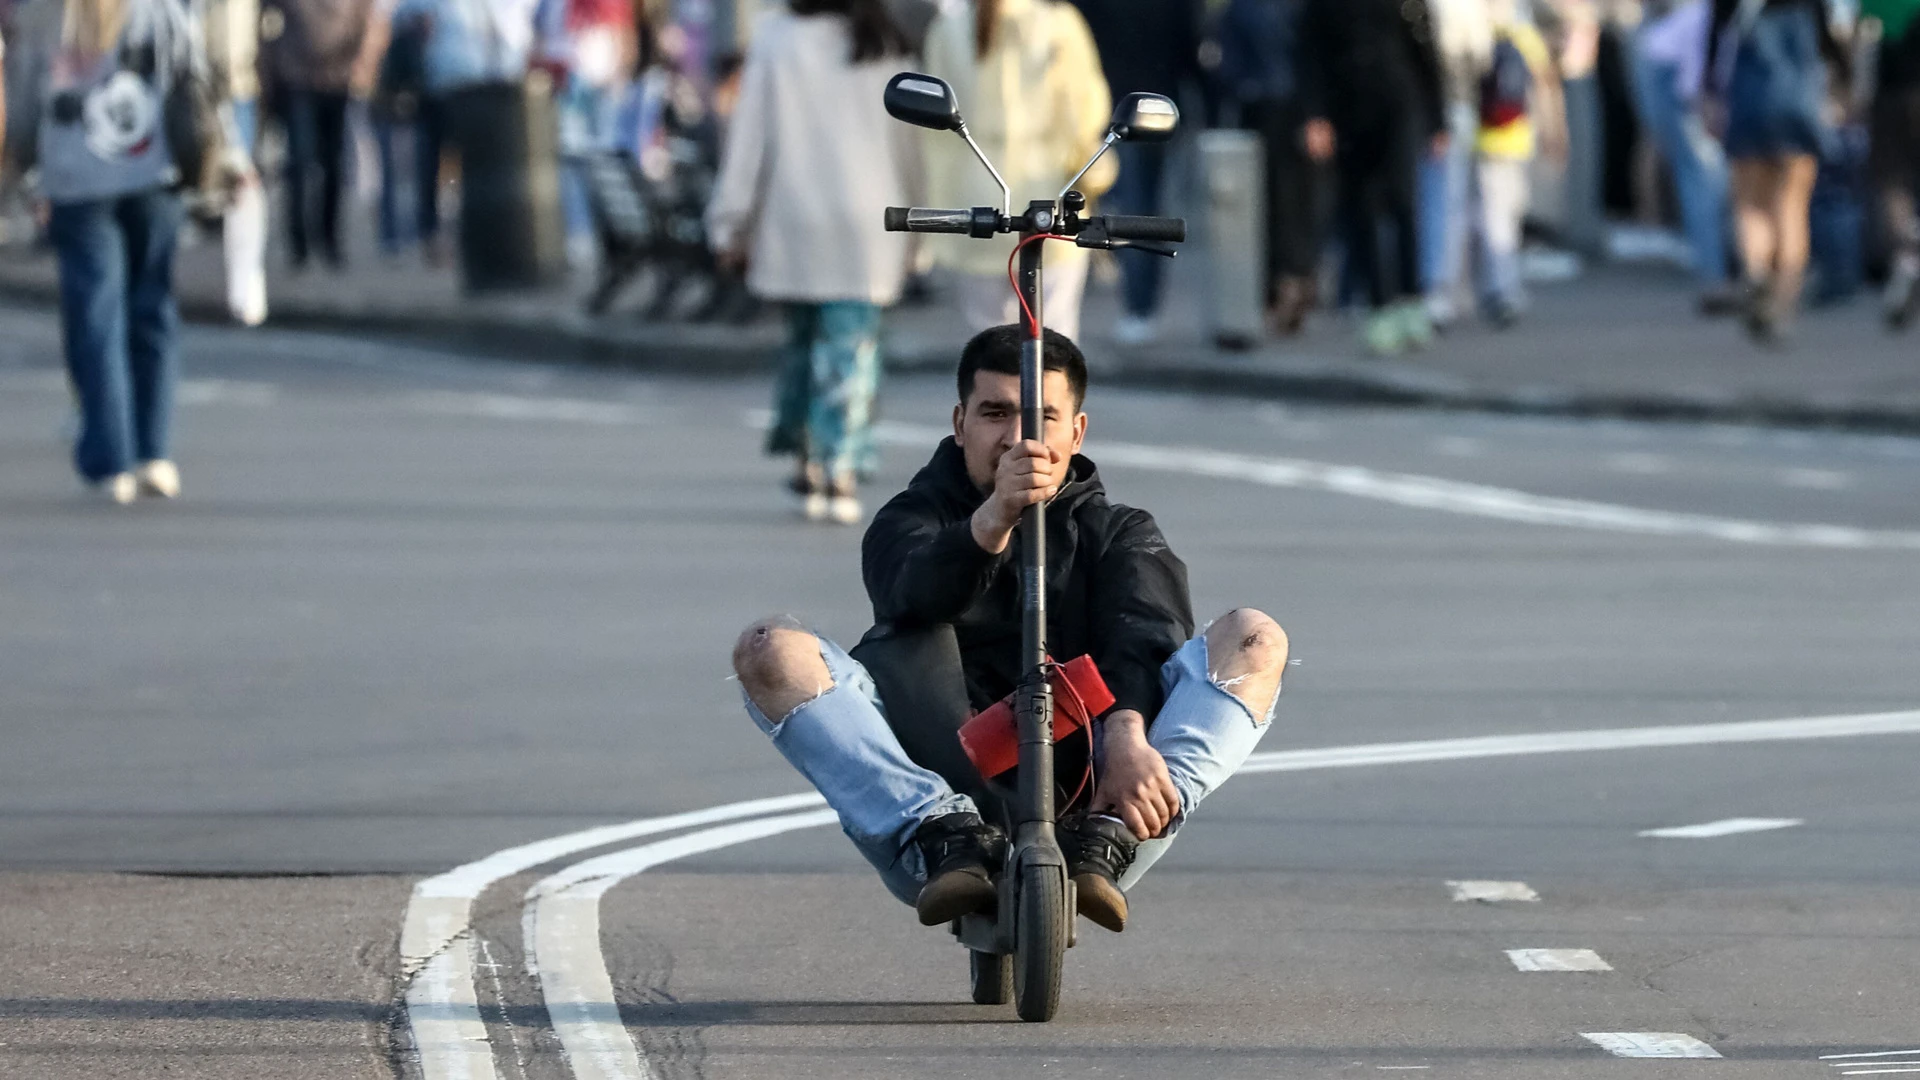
{"x": 1032, "y": 324}
{"x": 1088, "y": 777}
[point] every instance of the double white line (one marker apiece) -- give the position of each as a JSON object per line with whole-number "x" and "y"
{"x": 562, "y": 912}
{"x": 436, "y": 942}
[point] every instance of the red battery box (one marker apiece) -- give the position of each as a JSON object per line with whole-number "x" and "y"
{"x": 991, "y": 739}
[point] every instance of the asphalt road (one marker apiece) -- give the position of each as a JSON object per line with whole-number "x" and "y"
{"x": 416, "y": 609}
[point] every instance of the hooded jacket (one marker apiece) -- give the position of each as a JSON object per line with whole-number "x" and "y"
{"x": 1115, "y": 591}
{"x": 1037, "y": 103}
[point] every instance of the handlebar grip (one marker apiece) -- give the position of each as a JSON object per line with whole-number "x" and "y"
{"x": 1161, "y": 229}
{"x": 922, "y": 220}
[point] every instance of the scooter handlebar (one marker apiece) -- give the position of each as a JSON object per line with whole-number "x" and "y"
{"x": 919, "y": 219}
{"x": 1156, "y": 229}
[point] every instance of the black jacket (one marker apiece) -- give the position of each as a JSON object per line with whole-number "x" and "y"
{"x": 1370, "y": 67}
{"x": 1146, "y": 45}
{"x": 1115, "y": 591}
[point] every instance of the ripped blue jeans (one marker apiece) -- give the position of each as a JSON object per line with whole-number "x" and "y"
{"x": 841, "y": 743}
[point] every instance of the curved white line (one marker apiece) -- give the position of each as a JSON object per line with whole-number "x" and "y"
{"x": 1457, "y": 496}
{"x": 564, "y": 947}
{"x": 436, "y": 955}
{"x": 564, "y": 909}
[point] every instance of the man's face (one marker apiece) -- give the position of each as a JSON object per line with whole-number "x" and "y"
{"x": 987, "y": 424}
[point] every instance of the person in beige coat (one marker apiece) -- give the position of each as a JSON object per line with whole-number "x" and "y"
{"x": 232, "y": 32}
{"x": 1029, "y": 83}
{"x": 810, "y": 165}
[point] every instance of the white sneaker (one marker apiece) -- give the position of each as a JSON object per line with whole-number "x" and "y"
{"x": 815, "y": 506}
{"x": 844, "y": 510}
{"x": 160, "y": 477}
{"x": 121, "y": 488}
{"x": 1134, "y": 330}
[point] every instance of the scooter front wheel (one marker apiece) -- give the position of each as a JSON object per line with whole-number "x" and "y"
{"x": 992, "y": 977}
{"x": 1040, "y": 943}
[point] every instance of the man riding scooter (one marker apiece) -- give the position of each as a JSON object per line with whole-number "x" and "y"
{"x": 876, "y": 730}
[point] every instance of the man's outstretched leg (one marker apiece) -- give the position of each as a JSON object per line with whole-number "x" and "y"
{"x": 821, "y": 710}
{"x": 1221, "y": 689}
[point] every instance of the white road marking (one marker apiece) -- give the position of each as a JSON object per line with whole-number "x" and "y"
{"x": 1872, "y": 1054}
{"x": 436, "y": 953}
{"x": 1561, "y": 742}
{"x": 1817, "y": 479}
{"x": 1883, "y": 1072}
{"x": 565, "y": 912}
{"x": 1729, "y": 827}
{"x": 1650, "y": 1044}
{"x": 226, "y": 392}
{"x": 441, "y": 993}
{"x": 1639, "y": 464}
{"x": 520, "y": 407}
{"x": 1557, "y": 960}
{"x": 1493, "y": 892}
{"x": 1455, "y": 496}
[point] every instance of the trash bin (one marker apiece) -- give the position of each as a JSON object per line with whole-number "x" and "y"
{"x": 1233, "y": 172}
{"x": 512, "y": 235}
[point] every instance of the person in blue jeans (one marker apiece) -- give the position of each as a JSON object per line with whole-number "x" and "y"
{"x": 875, "y": 729}
{"x": 108, "y": 171}
{"x": 1669, "y": 58}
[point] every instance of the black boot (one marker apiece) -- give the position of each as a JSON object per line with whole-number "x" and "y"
{"x": 1099, "y": 849}
{"x": 962, "y": 853}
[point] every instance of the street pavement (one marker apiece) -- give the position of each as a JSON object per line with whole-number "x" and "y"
{"x": 417, "y": 608}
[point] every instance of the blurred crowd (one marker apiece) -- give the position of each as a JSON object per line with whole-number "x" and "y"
{"x": 1418, "y": 156}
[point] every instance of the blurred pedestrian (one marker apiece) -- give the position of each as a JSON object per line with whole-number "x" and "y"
{"x": 590, "y": 48}
{"x": 311, "y": 49}
{"x": 232, "y": 29}
{"x": 1150, "y": 46}
{"x": 1773, "y": 58}
{"x": 1894, "y": 127}
{"x": 1374, "y": 102}
{"x": 1259, "y": 73}
{"x": 811, "y": 159}
{"x": 108, "y": 168}
{"x": 1029, "y": 83}
{"x": 1518, "y": 85}
{"x": 1669, "y": 59}
{"x": 1463, "y": 32}
{"x": 439, "y": 48}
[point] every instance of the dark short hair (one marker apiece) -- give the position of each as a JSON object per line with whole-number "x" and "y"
{"x": 998, "y": 350}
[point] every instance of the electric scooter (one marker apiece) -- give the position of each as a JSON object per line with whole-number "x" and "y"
{"x": 1018, "y": 953}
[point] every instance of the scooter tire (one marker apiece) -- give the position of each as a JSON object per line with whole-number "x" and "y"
{"x": 992, "y": 977}
{"x": 1040, "y": 944}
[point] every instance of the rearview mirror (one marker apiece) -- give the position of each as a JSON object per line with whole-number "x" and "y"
{"x": 1142, "y": 118}
{"x": 923, "y": 101}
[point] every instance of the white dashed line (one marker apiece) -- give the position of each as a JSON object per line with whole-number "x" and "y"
{"x": 517, "y": 407}
{"x": 1842, "y": 1058}
{"x": 1729, "y": 827}
{"x": 1557, "y": 960}
{"x": 1639, "y": 464}
{"x": 1650, "y": 1044}
{"x": 1817, "y": 479}
{"x": 1493, "y": 892}
{"x": 226, "y": 392}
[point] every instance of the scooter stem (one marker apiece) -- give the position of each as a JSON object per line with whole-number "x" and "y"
{"x": 1034, "y": 700}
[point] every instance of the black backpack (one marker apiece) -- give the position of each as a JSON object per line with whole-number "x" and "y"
{"x": 1506, "y": 86}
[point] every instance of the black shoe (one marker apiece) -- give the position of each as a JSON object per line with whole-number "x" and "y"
{"x": 962, "y": 853}
{"x": 1099, "y": 850}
